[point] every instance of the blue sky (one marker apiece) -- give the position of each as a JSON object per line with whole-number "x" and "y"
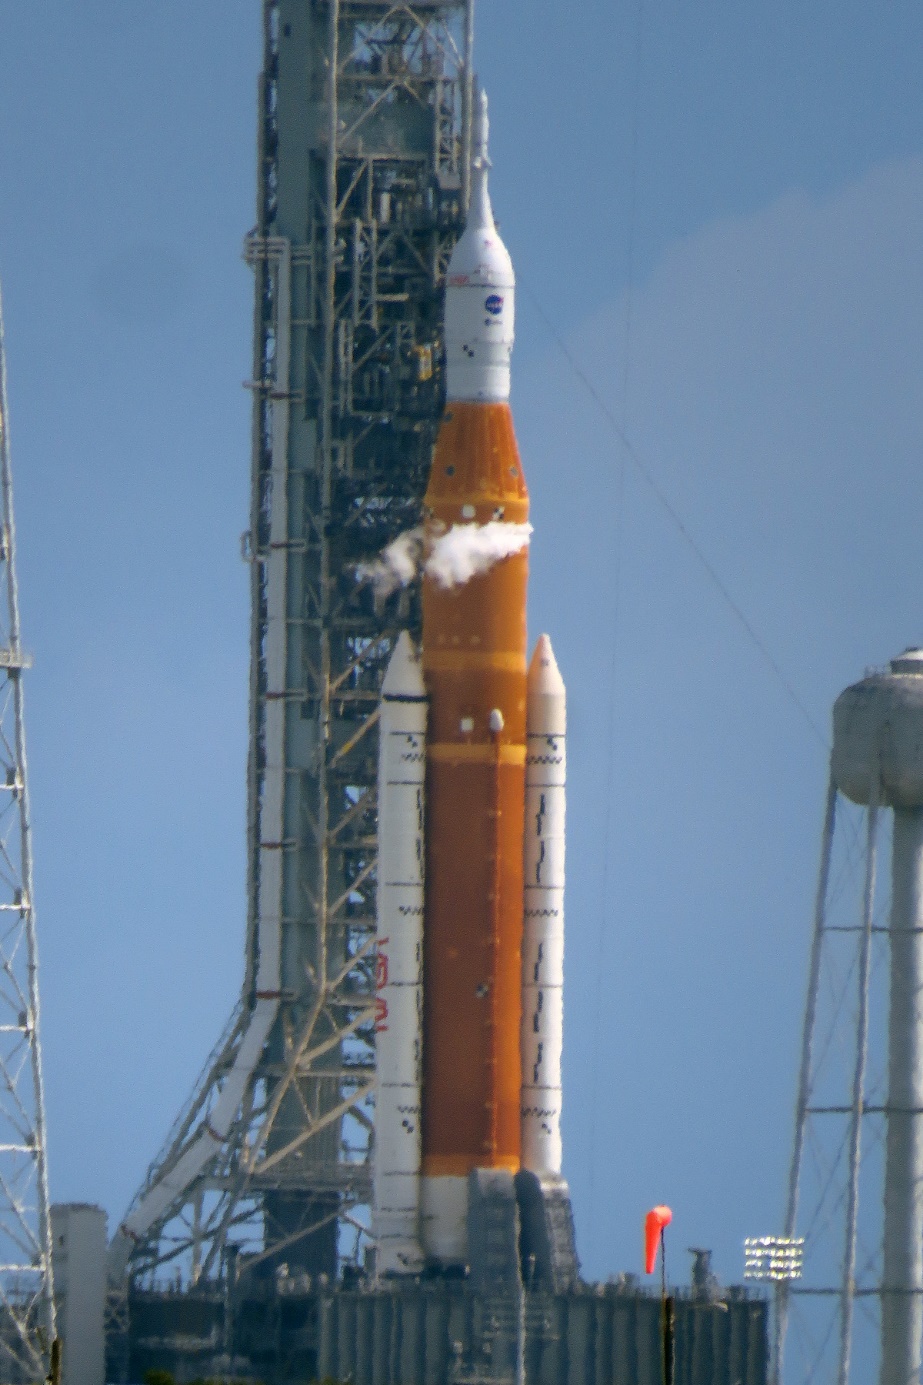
{"x": 718, "y": 210}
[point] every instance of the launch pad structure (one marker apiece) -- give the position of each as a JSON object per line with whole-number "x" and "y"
{"x": 248, "y": 1252}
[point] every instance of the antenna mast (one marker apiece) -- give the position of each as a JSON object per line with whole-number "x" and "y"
{"x": 27, "y": 1317}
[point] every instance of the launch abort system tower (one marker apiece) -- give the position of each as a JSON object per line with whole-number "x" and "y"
{"x": 364, "y": 139}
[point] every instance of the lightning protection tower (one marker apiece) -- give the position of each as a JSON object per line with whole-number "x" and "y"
{"x": 27, "y": 1317}
{"x": 364, "y": 135}
{"x": 857, "y": 1162}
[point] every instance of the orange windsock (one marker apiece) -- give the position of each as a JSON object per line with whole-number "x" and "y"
{"x": 654, "y": 1223}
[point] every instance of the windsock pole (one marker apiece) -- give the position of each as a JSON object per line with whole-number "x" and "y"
{"x": 655, "y": 1225}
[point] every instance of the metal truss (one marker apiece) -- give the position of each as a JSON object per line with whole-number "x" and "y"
{"x": 364, "y": 138}
{"x": 830, "y": 1320}
{"x": 27, "y": 1318}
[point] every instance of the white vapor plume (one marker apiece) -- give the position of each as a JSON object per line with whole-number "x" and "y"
{"x": 467, "y": 550}
{"x": 451, "y": 559}
{"x": 396, "y": 566}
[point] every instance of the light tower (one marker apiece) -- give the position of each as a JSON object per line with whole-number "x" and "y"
{"x": 27, "y": 1316}
{"x": 877, "y": 762}
{"x": 364, "y": 143}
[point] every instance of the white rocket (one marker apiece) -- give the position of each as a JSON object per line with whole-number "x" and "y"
{"x": 486, "y": 750}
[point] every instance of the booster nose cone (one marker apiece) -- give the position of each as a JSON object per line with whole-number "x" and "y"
{"x": 404, "y": 675}
{"x": 479, "y": 307}
{"x": 544, "y": 675}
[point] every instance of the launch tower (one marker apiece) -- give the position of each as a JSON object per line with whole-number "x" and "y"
{"x": 364, "y": 143}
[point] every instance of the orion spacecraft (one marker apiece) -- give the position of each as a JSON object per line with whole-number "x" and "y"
{"x": 471, "y": 817}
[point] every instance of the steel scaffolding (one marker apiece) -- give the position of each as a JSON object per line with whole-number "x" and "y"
{"x": 27, "y": 1316}
{"x": 364, "y": 133}
{"x": 827, "y": 1326}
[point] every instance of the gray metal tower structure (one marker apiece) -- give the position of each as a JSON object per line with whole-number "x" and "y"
{"x": 27, "y": 1315}
{"x": 864, "y": 1130}
{"x": 364, "y": 135}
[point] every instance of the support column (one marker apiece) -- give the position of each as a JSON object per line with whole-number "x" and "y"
{"x": 902, "y": 1280}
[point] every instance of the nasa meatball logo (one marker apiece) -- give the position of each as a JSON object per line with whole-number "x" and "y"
{"x": 494, "y": 304}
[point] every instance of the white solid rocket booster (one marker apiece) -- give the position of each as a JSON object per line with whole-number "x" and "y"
{"x": 543, "y": 922}
{"x": 399, "y": 966}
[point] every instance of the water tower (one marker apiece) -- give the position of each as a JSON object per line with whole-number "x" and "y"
{"x": 876, "y": 763}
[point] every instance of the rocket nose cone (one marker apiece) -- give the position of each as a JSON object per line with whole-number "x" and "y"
{"x": 544, "y": 675}
{"x": 404, "y": 677}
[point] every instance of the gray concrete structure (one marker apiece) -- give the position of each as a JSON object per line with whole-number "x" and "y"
{"x": 449, "y": 1332}
{"x": 595, "y": 1335}
{"x": 78, "y": 1232}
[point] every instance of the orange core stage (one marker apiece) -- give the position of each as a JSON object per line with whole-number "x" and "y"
{"x": 474, "y": 665}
